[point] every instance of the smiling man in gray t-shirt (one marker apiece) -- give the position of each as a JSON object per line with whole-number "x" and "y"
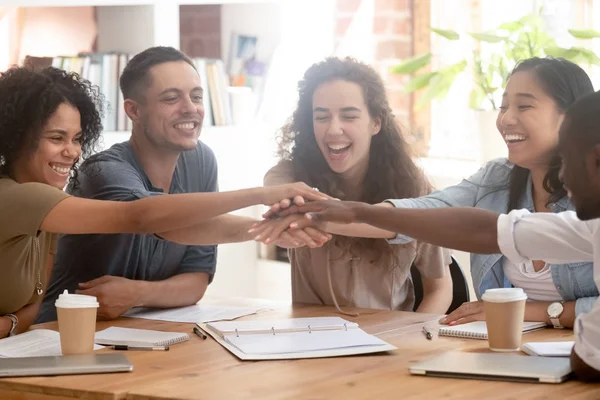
{"x": 163, "y": 98}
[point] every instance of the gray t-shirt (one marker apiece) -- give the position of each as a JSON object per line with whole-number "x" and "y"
{"x": 115, "y": 174}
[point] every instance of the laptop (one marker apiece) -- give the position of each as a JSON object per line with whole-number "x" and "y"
{"x": 501, "y": 367}
{"x": 65, "y": 365}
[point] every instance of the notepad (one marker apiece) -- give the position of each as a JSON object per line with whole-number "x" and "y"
{"x": 294, "y": 338}
{"x": 478, "y": 329}
{"x": 115, "y": 336}
{"x": 548, "y": 349}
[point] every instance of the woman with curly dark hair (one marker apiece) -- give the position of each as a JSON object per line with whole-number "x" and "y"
{"x": 49, "y": 120}
{"x": 343, "y": 139}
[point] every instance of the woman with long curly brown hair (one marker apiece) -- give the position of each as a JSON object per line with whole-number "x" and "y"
{"x": 48, "y": 121}
{"x": 343, "y": 140}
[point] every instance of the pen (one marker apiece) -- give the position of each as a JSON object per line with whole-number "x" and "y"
{"x": 199, "y": 333}
{"x": 427, "y": 333}
{"x": 150, "y": 348}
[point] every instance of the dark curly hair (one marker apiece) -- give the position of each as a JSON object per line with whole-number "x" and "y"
{"x": 391, "y": 172}
{"x": 29, "y": 98}
{"x": 565, "y": 82}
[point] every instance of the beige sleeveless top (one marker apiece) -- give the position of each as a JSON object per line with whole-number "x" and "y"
{"x": 330, "y": 276}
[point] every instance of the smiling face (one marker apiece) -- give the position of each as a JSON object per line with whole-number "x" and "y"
{"x": 343, "y": 127}
{"x": 58, "y": 150}
{"x": 172, "y": 111}
{"x": 529, "y": 120}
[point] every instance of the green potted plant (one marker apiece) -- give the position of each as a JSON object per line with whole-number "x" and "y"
{"x": 494, "y": 54}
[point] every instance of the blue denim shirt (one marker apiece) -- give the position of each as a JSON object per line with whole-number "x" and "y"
{"x": 488, "y": 189}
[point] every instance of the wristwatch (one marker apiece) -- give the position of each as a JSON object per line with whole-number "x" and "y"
{"x": 15, "y": 322}
{"x": 554, "y": 312}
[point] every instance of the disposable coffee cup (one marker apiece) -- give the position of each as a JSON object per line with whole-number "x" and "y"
{"x": 76, "y": 322}
{"x": 504, "y": 314}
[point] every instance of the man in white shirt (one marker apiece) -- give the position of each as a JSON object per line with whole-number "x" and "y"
{"x": 557, "y": 238}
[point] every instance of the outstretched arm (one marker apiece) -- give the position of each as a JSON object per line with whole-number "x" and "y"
{"x": 466, "y": 229}
{"x": 160, "y": 213}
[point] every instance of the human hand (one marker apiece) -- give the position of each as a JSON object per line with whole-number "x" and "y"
{"x": 299, "y": 192}
{"x": 276, "y": 231}
{"x": 115, "y": 294}
{"x": 342, "y": 212}
{"x": 467, "y": 312}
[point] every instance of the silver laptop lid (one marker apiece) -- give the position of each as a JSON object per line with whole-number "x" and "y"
{"x": 65, "y": 365}
{"x": 512, "y": 367}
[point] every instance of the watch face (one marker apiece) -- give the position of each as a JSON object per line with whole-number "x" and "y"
{"x": 555, "y": 309}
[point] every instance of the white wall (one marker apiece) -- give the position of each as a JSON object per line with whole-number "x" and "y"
{"x": 37, "y": 22}
{"x": 263, "y": 20}
{"x": 127, "y": 29}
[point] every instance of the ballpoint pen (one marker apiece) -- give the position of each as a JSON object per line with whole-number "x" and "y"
{"x": 198, "y": 332}
{"x": 427, "y": 333}
{"x": 150, "y": 348}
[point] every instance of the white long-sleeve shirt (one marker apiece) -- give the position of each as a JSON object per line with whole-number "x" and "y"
{"x": 558, "y": 238}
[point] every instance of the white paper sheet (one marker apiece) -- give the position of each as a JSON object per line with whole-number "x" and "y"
{"x": 194, "y": 314}
{"x": 548, "y": 349}
{"x": 35, "y": 343}
{"x": 300, "y": 342}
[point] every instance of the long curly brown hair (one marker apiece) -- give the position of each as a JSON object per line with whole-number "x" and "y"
{"x": 391, "y": 172}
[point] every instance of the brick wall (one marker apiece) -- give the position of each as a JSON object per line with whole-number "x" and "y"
{"x": 200, "y": 30}
{"x": 392, "y": 38}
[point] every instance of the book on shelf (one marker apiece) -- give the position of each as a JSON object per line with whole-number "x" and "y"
{"x": 104, "y": 70}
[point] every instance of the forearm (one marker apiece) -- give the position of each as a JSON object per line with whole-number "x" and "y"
{"x": 26, "y": 316}
{"x": 157, "y": 213}
{"x": 537, "y": 311}
{"x": 437, "y": 295}
{"x": 360, "y": 230}
{"x": 466, "y": 229}
{"x": 583, "y": 371}
{"x": 222, "y": 229}
{"x": 180, "y": 290}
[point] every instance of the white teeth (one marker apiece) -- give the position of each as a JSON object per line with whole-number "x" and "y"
{"x": 185, "y": 125}
{"x": 514, "y": 138}
{"x": 61, "y": 170}
{"x": 338, "y": 146}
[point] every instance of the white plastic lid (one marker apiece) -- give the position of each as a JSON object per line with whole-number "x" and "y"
{"x": 68, "y": 300}
{"x": 504, "y": 295}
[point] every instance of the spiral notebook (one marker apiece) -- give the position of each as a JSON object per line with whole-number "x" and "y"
{"x": 478, "y": 329}
{"x": 294, "y": 338}
{"x": 117, "y": 336}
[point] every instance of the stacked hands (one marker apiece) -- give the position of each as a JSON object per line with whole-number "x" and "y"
{"x": 298, "y": 221}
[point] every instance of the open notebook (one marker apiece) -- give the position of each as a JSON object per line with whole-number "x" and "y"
{"x": 294, "y": 338}
{"x": 115, "y": 335}
{"x": 478, "y": 330}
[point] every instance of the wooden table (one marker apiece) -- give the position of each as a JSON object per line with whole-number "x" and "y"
{"x": 202, "y": 369}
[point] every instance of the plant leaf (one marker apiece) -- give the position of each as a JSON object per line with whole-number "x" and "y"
{"x": 584, "y": 33}
{"x": 511, "y": 26}
{"x": 447, "y": 33}
{"x": 440, "y": 83}
{"x": 476, "y": 98}
{"x": 487, "y": 37}
{"x": 411, "y": 65}
{"x": 419, "y": 82}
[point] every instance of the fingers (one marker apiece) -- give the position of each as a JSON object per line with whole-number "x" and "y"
{"x": 302, "y": 224}
{"x": 94, "y": 282}
{"x": 287, "y": 241}
{"x": 259, "y": 228}
{"x": 285, "y": 203}
{"x": 465, "y": 310}
{"x": 468, "y": 318}
{"x": 298, "y": 200}
{"x": 317, "y": 235}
